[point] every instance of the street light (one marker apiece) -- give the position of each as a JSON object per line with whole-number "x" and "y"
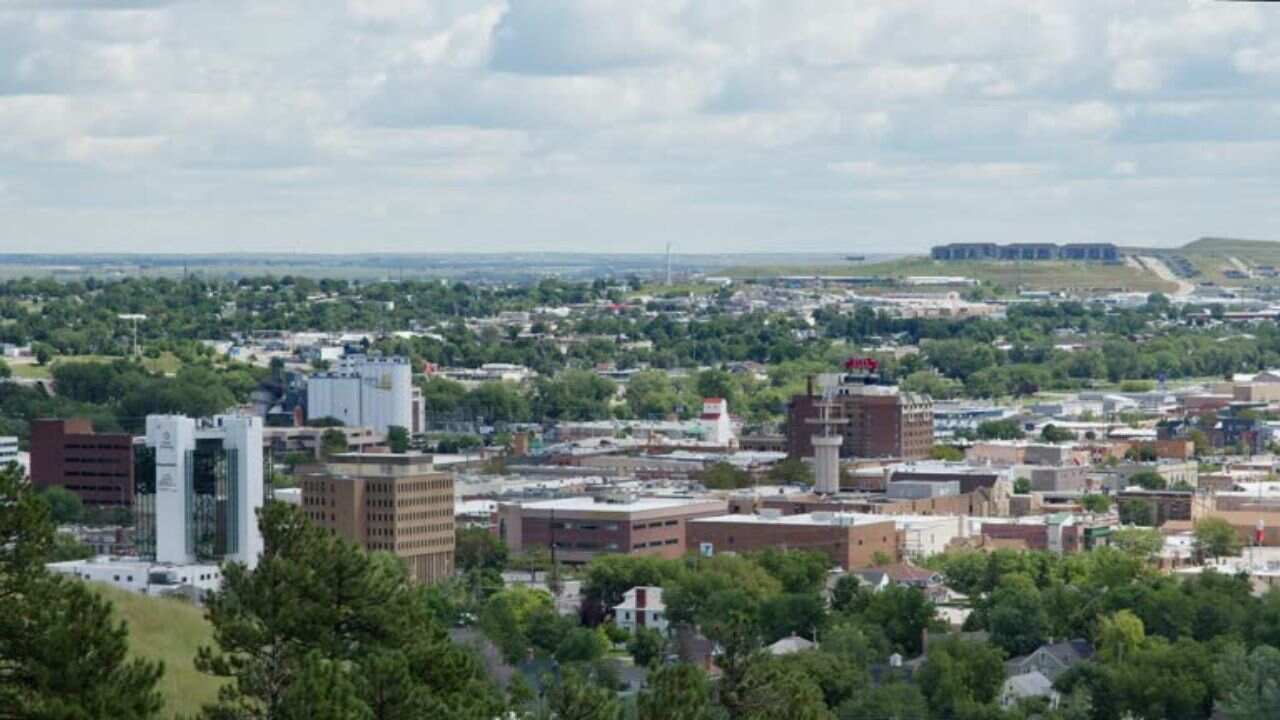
{"x": 135, "y": 318}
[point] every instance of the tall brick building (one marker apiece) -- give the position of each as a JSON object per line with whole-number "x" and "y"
{"x": 879, "y": 421}
{"x": 98, "y": 467}
{"x": 397, "y": 503}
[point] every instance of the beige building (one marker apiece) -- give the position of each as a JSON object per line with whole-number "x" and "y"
{"x": 396, "y": 503}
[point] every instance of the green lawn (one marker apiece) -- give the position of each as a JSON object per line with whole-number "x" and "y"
{"x": 170, "y": 631}
{"x": 167, "y": 363}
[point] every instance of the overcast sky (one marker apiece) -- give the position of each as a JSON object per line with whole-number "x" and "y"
{"x": 619, "y": 125}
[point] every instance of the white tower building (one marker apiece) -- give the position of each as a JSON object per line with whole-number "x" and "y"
{"x": 826, "y": 447}
{"x": 208, "y": 488}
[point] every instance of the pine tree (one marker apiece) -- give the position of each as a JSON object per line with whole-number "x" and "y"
{"x": 318, "y": 604}
{"x": 62, "y": 655}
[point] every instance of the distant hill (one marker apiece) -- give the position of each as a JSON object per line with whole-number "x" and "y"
{"x": 171, "y": 631}
{"x": 1257, "y": 250}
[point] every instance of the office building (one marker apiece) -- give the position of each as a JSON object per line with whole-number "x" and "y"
{"x": 362, "y": 391}
{"x": 850, "y": 541}
{"x": 199, "y": 487}
{"x": 98, "y": 467}
{"x": 878, "y": 421}
{"x": 392, "y": 502}
{"x": 581, "y": 528}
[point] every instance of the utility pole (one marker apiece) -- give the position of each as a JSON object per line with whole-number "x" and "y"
{"x": 135, "y": 318}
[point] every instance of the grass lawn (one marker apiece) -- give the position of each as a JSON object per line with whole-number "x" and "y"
{"x": 170, "y": 631}
{"x": 167, "y": 363}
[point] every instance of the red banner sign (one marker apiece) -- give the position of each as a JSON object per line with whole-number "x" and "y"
{"x": 861, "y": 363}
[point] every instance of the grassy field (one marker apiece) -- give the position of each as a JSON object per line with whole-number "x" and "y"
{"x": 168, "y": 630}
{"x": 1031, "y": 275}
{"x": 167, "y": 363}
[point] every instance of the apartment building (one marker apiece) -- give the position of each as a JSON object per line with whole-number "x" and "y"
{"x": 392, "y": 502}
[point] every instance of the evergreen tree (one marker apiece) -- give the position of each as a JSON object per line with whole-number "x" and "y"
{"x": 62, "y": 654}
{"x": 318, "y": 607}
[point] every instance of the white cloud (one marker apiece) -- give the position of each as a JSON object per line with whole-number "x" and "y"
{"x": 732, "y": 125}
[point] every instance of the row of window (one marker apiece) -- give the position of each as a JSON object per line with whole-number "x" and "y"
{"x": 657, "y": 543}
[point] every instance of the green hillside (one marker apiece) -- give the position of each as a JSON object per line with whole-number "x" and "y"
{"x": 168, "y": 630}
{"x": 1033, "y": 275}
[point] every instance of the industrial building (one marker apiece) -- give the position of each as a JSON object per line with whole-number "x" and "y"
{"x": 398, "y": 503}
{"x": 363, "y": 391}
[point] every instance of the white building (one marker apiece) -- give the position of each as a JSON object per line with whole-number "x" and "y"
{"x": 716, "y": 425}
{"x": 641, "y": 607}
{"x": 142, "y": 576}
{"x": 364, "y": 392}
{"x": 208, "y": 486}
{"x": 8, "y": 449}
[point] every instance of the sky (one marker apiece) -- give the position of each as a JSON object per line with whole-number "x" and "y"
{"x": 724, "y": 126}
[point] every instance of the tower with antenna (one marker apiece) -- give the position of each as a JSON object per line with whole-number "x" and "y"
{"x": 668, "y": 263}
{"x": 826, "y": 446}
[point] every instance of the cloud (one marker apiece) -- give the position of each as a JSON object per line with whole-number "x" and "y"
{"x": 730, "y": 126}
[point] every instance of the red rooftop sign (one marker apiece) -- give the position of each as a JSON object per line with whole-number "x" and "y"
{"x": 861, "y": 363}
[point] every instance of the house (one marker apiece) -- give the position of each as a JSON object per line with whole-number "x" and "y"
{"x": 1051, "y": 660}
{"x": 641, "y": 607}
{"x": 1027, "y": 685}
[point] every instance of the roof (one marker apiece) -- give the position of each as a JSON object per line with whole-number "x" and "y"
{"x": 899, "y": 573}
{"x": 653, "y": 599}
{"x": 1032, "y": 684}
{"x": 1067, "y": 652}
{"x": 590, "y": 504}
{"x": 789, "y": 645}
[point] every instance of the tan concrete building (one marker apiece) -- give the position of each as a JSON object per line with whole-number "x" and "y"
{"x": 396, "y": 503}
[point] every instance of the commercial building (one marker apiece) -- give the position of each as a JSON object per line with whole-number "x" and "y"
{"x": 98, "y": 467}
{"x": 362, "y": 391}
{"x": 877, "y": 421}
{"x": 392, "y": 502}
{"x": 849, "y": 540}
{"x": 145, "y": 577}
{"x": 199, "y": 488}
{"x": 1086, "y": 252}
{"x": 580, "y": 528}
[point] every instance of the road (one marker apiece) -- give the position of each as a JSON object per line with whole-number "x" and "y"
{"x": 1162, "y": 271}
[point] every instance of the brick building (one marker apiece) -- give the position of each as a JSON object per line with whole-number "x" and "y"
{"x": 581, "y": 528}
{"x": 850, "y": 541}
{"x": 98, "y": 467}
{"x": 877, "y": 421}
{"x": 397, "y": 503}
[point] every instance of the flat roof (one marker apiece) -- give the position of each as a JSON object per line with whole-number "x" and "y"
{"x": 820, "y": 519}
{"x": 641, "y": 504}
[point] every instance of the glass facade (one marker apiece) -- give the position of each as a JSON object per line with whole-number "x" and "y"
{"x": 211, "y": 496}
{"x": 144, "y": 501}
